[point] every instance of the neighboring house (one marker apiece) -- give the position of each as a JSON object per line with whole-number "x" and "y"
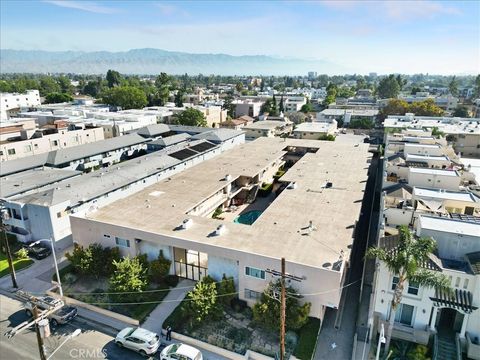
{"x": 248, "y": 108}
{"x": 237, "y": 124}
{"x": 175, "y": 216}
{"x": 267, "y": 128}
{"x": 47, "y": 139}
{"x": 434, "y": 178}
{"x": 11, "y": 103}
{"x": 314, "y": 130}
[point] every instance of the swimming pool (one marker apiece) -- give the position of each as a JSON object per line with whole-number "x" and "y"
{"x": 248, "y": 218}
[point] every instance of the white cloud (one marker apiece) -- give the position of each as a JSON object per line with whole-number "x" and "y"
{"x": 83, "y": 5}
{"x": 402, "y": 10}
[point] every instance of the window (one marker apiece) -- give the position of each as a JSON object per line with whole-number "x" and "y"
{"x": 11, "y": 151}
{"x": 107, "y": 236}
{"x": 256, "y": 273}
{"x": 122, "y": 242}
{"x": 1, "y": 153}
{"x": 457, "y": 282}
{"x": 55, "y": 142}
{"x": 413, "y": 288}
{"x": 35, "y": 146}
{"x": 251, "y": 294}
{"x": 465, "y": 284}
{"x": 27, "y": 148}
{"x": 404, "y": 314}
{"x": 394, "y": 282}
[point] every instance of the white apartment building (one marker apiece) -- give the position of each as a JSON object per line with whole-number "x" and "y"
{"x": 247, "y": 108}
{"x": 347, "y": 114}
{"x": 41, "y": 200}
{"x": 175, "y": 215}
{"x": 294, "y": 103}
{"x": 45, "y": 140}
{"x": 11, "y": 103}
{"x": 314, "y": 130}
{"x": 267, "y": 128}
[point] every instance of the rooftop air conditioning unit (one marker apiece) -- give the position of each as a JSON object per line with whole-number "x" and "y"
{"x": 228, "y": 177}
{"x": 292, "y": 185}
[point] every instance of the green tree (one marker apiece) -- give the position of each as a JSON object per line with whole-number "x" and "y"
{"x": 453, "y": 86}
{"x": 296, "y": 117}
{"x": 280, "y": 106}
{"x": 81, "y": 259}
{"x": 190, "y": 117}
{"x": 162, "y": 83}
{"x": 47, "y": 86}
{"x": 267, "y": 311}
{"x": 226, "y": 290}
{"x": 425, "y": 108}
{"x": 202, "y": 300}
{"x": 228, "y": 105}
{"x": 160, "y": 267}
{"x": 327, "y": 137}
{"x": 400, "y": 81}
{"x": 345, "y": 92}
{"x": 54, "y": 98}
{"x": 239, "y": 86}
{"x": 388, "y": 87}
{"x": 179, "y": 98}
{"x": 113, "y": 78}
{"x": 129, "y": 275}
{"x": 461, "y": 111}
{"x": 361, "y": 124}
{"x": 127, "y": 97}
{"x": 406, "y": 264}
{"x": 395, "y": 107}
{"x": 306, "y": 108}
{"x": 65, "y": 84}
{"x": 415, "y": 90}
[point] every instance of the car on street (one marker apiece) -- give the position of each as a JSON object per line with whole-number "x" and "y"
{"x": 38, "y": 250}
{"x": 63, "y": 315}
{"x": 180, "y": 351}
{"x": 140, "y": 340}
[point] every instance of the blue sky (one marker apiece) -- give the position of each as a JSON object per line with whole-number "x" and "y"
{"x": 362, "y": 36}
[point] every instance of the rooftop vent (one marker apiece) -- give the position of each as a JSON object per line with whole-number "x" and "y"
{"x": 228, "y": 177}
{"x": 220, "y": 230}
{"x": 293, "y": 185}
{"x": 186, "y": 224}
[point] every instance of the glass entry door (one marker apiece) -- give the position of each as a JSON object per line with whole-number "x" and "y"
{"x": 190, "y": 264}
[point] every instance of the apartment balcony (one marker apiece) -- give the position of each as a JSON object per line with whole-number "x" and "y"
{"x": 18, "y": 222}
{"x": 21, "y": 234}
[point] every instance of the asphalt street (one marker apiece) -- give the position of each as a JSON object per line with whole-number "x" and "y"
{"x": 90, "y": 344}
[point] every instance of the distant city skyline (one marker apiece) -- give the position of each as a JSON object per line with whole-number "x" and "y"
{"x": 438, "y": 37}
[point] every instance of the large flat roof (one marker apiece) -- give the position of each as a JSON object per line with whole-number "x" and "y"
{"x": 32, "y": 179}
{"x": 434, "y": 172}
{"x": 281, "y": 229}
{"x": 265, "y": 125}
{"x": 445, "y": 194}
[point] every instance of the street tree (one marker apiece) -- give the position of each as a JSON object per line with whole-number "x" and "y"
{"x": 190, "y": 117}
{"x": 280, "y": 106}
{"x": 296, "y": 117}
{"x": 55, "y": 98}
{"x": 476, "y": 87}
{"x": 405, "y": 262}
{"x": 179, "y": 98}
{"x": 129, "y": 275}
{"x": 202, "y": 300}
{"x": 461, "y": 111}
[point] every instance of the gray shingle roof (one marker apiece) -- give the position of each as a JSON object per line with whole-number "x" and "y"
{"x": 170, "y": 140}
{"x": 153, "y": 130}
{"x": 30, "y": 162}
{"x": 66, "y": 155}
{"x": 217, "y": 135}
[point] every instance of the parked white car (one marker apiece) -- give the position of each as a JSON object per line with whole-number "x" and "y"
{"x": 140, "y": 340}
{"x": 180, "y": 352}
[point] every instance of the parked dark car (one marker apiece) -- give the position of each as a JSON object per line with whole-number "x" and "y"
{"x": 38, "y": 250}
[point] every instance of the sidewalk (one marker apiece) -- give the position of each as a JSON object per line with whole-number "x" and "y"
{"x": 165, "y": 308}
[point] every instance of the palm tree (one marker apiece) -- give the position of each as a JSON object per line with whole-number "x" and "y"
{"x": 406, "y": 261}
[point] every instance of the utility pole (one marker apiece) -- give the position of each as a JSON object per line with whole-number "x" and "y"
{"x": 41, "y": 347}
{"x": 5, "y": 216}
{"x": 283, "y": 302}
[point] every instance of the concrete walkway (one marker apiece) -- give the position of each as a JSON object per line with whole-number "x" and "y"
{"x": 165, "y": 308}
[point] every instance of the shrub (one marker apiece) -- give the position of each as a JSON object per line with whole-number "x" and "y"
{"x": 218, "y": 211}
{"x": 159, "y": 268}
{"x": 171, "y": 280}
{"x": 327, "y": 137}
{"x": 265, "y": 189}
{"x": 129, "y": 276}
{"x": 202, "y": 301}
{"x": 22, "y": 254}
{"x": 226, "y": 290}
{"x": 69, "y": 279}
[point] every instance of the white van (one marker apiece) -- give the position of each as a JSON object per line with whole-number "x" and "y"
{"x": 180, "y": 352}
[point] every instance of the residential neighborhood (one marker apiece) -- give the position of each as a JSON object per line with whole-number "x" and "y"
{"x": 239, "y": 180}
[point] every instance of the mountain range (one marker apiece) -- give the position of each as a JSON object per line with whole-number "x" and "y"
{"x": 154, "y": 61}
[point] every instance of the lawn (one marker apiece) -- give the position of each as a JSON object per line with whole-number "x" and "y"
{"x": 17, "y": 264}
{"x": 307, "y": 339}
